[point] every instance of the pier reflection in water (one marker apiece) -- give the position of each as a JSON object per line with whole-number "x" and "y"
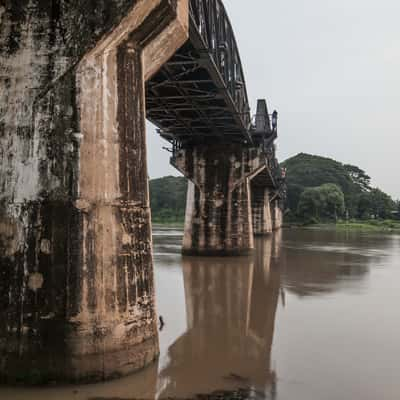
{"x": 312, "y": 315}
{"x": 231, "y": 306}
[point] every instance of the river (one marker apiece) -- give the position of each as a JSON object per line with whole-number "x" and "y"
{"x": 313, "y": 314}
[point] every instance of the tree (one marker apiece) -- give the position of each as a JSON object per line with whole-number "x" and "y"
{"x": 375, "y": 204}
{"x": 305, "y": 171}
{"x": 398, "y": 209}
{"x": 308, "y": 171}
{"x": 333, "y": 197}
{"x": 359, "y": 177}
{"x": 311, "y": 204}
{"x": 365, "y": 207}
{"x": 293, "y": 196}
{"x": 168, "y": 199}
{"x": 325, "y": 201}
{"x": 383, "y": 205}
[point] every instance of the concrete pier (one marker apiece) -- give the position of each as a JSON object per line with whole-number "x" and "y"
{"x": 218, "y": 215}
{"x": 77, "y": 81}
{"x": 261, "y": 210}
{"x": 277, "y": 215}
{"x": 76, "y": 278}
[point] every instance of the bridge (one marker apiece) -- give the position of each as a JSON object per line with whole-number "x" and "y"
{"x": 201, "y": 90}
{"x": 198, "y": 100}
{"x": 77, "y": 84}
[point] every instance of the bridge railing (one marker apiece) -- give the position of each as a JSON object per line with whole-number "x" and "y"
{"x": 213, "y": 24}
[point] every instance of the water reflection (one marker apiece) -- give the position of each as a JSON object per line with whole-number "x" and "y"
{"x": 167, "y": 246}
{"x": 327, "y": 302}
{"x": 231, "y": 305}
{"x": 142, "y": 385}
{"x": 321, "y": 262}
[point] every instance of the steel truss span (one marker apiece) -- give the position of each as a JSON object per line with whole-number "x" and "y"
{"x": 201, "y": 92}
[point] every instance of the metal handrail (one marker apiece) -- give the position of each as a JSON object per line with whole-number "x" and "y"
{"x": 215, "y": 28}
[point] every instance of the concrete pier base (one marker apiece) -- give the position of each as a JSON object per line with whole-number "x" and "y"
{"x": 218, "y": 224}
{"x": 76, "y": 276}
{"x": 218, "y": 215}
{"x": 261, "y": 211}
{"x": 277, "y": 215}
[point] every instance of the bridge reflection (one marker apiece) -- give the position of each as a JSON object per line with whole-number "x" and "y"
{"x": 231, "y": 306}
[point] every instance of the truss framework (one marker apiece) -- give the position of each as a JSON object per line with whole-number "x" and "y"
{"x": 201, "y": 91}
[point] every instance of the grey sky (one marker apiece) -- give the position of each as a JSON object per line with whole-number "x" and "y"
{"x": 332, "y": 70}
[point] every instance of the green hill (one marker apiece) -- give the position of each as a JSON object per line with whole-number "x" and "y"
{"x": 306, "y": 171}
{"x": 168, "y": 199}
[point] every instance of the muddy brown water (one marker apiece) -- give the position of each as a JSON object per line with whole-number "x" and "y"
{"x": 312, "y": 314}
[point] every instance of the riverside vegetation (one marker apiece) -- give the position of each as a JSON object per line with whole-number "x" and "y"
{"x": 319, "y": 191}
{"x": 168, "y": 200}
{"x": 322, "y": 190}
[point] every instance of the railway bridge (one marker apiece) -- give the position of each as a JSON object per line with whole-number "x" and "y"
{"x": 77, "y": 84}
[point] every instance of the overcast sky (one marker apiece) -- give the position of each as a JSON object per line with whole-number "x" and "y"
{"x": 332, "y": 70}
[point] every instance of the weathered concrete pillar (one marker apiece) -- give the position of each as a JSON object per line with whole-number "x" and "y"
{"x": 76, "y": 276}
{"x": 261, "y": 210}
{"x": 277, "y": 215}
{"x": 218, "y": 215}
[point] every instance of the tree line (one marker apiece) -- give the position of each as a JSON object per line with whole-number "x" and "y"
{"x": 168, "y": 199}
{"x": 320, "y": 189}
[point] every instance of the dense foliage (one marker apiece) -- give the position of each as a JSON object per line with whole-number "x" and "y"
{"x": 325, "y": 201}
{"x": 317, "y": 186}
{"x": 168, "y": 199}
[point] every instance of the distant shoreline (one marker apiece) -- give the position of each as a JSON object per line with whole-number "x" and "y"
{"x": 379, "y": 226}
{"x": 170, "y": 224}
{"x": 382, "y": 226}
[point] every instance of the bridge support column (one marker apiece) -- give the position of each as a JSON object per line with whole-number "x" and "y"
{"x": 277, "y": 215}
{"x": 218, "y": 215}
{"x": 76, "y": 275}
{"x": 261, "y": 210}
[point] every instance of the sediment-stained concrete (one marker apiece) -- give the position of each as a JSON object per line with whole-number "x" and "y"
{"x": 261, "y": 210}
{"x": 277, "y": 215}
{"x": 76, "y": 275}
{"x": 218, "y": 215}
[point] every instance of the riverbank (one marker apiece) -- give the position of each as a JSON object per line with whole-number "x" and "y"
{"x": 387, "y": 226}
{"x": 373, "y": 225}
{"x": 168, "y": 224}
